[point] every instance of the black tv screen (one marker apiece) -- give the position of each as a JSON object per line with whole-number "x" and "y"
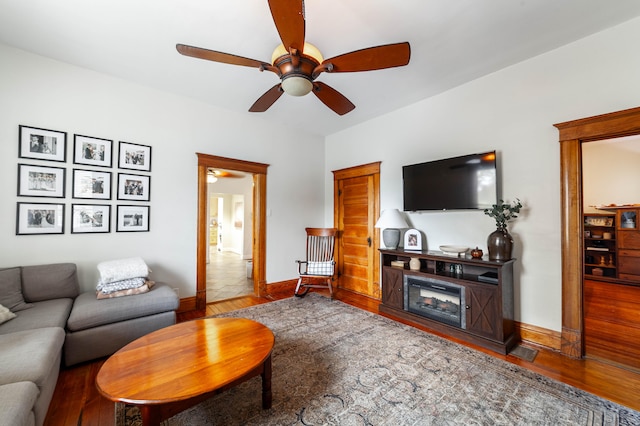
{"x": 459, "y": 183}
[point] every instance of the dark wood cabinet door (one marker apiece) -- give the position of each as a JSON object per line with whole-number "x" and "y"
{"x": 483, "y": 311}
{"x": 392, "y": 294}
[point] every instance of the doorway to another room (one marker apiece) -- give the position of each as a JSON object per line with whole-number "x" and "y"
{"x": 254, "y": 202}
{"x": 229, "y": 266}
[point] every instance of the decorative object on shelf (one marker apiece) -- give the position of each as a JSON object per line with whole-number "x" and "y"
{"x": 398, "y": 264}
{"x": 628, "y": 219}
{"x": 476, "y": 253}
{"x": 455, "y": 269}
{"x": 414, "y": 264}
{"x": 390, "y": 220}
{"x": 453, "y": 250}
{"x": 598, "y": 221}
{"x": 500, "y": 242}
{"x": 413, "y": 240}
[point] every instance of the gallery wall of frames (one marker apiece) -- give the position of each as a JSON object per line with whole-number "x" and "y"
{"x": 99, "y": 171}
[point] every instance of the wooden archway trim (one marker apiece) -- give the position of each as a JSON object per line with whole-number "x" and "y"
{"x": 572, "y": 135}
{"x": 259, "y": 249}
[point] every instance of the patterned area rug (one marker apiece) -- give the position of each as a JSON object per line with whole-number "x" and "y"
{"x": 334, "y": 364}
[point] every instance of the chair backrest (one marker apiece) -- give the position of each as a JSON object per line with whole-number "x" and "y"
{"x": 320, "y": 244}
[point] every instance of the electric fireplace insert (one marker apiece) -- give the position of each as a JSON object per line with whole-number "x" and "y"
{"x": 435, "y": 299}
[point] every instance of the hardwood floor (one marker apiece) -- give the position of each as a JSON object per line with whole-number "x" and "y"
{"x": 77, "y": 402}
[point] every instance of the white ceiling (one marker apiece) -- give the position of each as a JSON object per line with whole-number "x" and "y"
{"x": 452, "y": 42}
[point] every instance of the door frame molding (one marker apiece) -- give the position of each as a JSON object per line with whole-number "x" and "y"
{"x": 572, "y": 135}
{"x": 259, "y": 246}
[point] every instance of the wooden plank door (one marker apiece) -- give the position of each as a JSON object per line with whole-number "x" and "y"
{"x": 356, "y": 208}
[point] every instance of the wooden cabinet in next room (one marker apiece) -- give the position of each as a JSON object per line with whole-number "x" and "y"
{"x": 628, "y": 244}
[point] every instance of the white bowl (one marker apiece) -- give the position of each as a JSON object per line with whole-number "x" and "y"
{"x": 453, "y": 249}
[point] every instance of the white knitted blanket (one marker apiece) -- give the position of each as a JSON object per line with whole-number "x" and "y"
{"x": 122, "y": 269}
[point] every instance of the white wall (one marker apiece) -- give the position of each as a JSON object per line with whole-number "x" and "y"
{"x": 39, "y": 92}
{"x": 610, "y": 173}
{"x": 513, "y": 112}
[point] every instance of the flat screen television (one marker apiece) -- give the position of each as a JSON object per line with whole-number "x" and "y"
{"x": 459, "y": 183}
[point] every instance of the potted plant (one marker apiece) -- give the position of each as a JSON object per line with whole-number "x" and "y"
{"x": 500, "y": 243}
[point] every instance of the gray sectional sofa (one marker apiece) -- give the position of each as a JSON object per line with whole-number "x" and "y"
{"x": 55, "y": 323}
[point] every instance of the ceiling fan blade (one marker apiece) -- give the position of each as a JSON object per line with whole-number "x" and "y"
{"x": 332, "y": 98}
{"x": 372, "y": 58}
{"x": 288, "y": 15}
{"x": 226, "y": 58}
{"x": 227, "y": 174}
{"x": 267, "y": 99}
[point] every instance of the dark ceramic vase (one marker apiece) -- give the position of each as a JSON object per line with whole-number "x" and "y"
{"x": 500, "y": 245}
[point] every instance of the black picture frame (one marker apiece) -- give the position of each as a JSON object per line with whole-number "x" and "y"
{"x": 134, "y": 156}
{"x": 92, "y": 151}
{"x": 131, "y": 218}
{"x": 90, "y": 218}
{"x": 42, "y": 144}
{"x": 39, "y": 218}
{"x": 41, "y": 181}
{"x": 91, "y": 184}
{"x": 134, "y": 187}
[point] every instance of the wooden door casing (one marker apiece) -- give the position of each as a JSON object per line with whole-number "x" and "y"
{"x": 356, "y": 208}
{"x": 572, "y": 135}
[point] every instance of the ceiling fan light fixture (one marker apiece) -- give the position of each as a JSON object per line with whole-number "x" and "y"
{"x": 296, "y": 85}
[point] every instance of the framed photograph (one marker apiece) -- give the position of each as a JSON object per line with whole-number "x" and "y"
{"x": 91, "y": 184}
{"x": 413, "y": 240}
{"x": 40, "y": 181}
{"x": 92, "y": 151}
{"x": 39, "y": 218}
{"x": 133, "y": 187}
{"x": 90, "y": 218}
{"x": 42, "y": 144}
{"x": 134, "y": 156}
{"x": 133, "y": 219}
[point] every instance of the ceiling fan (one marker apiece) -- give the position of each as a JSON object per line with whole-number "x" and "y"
{"x": 298, "y": 63}
{"x": 214, "y": 174}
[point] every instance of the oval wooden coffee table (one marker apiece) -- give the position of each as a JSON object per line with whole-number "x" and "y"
{"x": 173, "y": 368}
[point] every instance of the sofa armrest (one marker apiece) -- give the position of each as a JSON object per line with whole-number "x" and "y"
{"x": 54, "y": 281}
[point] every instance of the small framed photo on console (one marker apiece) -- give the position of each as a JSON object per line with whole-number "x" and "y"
{"x": 413, "y": 240}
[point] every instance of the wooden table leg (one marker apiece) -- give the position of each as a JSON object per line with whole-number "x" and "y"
{"x": 150, "y": 416}
{"x": 266, "y": 384}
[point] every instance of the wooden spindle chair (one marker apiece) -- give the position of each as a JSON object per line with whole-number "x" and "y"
{"x": 318, "y": 269}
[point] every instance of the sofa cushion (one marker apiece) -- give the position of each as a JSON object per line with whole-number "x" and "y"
{"x": 11, "y": 290}
{"x": 49, "y": 313}
{"x": 30, "y": 356}
{"x": 16, "y": 403}
{"x": 44, "y": 282}
{"x": 89, "y": 312}
{"x": 5, "y": 314}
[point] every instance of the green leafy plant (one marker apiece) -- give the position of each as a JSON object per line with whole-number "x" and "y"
{"x": 504, "y": 212}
